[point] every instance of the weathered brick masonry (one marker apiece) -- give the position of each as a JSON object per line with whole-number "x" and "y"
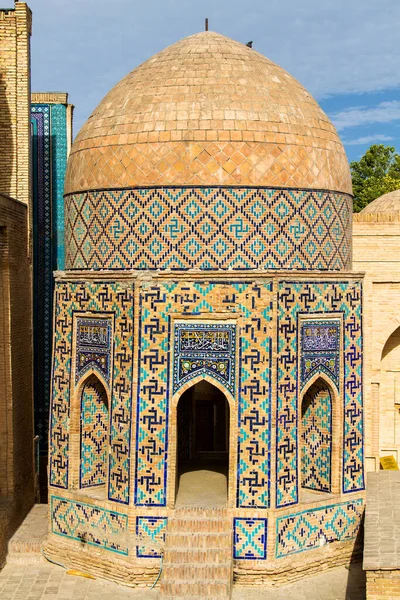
{"x": 16, "y": 401}
{"x": 15, "y": 90}
{"x": 16, "y": 425}
{"x": 382, "y": 533}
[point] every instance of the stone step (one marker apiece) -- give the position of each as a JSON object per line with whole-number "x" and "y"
{"x": 198, "y": 589}
{"x": 194, "y": 511}
{"x": 198, "y": 540}
{"x": 198, "y": 555}
{"x": 199, "y": 525}
{"x": 197, "y": 571}
{"x": 223, "y": 596}
{"x": 178, "y": 555}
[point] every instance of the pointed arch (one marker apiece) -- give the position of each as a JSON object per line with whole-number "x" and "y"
{"x": 388, "y": 329}
{"x": 391, "y": 344}
{"x": 323, "y": 377}
{"x": 94, "y": 431}
{"x": 203, "y": 377}
{"x": 92, "y": 372}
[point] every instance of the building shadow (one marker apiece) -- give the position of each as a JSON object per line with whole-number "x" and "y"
{"x": 356, "y": 581}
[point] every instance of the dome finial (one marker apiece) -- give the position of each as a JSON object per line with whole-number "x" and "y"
{"x": 206, "y": 24}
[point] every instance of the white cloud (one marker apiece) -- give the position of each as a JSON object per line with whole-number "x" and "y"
{"x": 331, "y": 47}
{"x": 385, "y": 112}
{"x": 367, "y": 139}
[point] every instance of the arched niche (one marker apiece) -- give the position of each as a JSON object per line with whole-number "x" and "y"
{"x": 391, "y": 352}
{"x": 388, "y": 328}
{"x": 94, "y": 433}
{"x": 317, "y": 458}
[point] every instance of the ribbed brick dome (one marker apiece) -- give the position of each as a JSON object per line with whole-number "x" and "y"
{"x": 208, "y": 111}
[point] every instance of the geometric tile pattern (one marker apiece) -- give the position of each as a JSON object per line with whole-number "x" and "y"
{"x": 92, "y": 298}
{"x": 151, "y": 533}
{"x": 157, "y": 306}
{"x": 93, "y": 347}
{"x": 255, "y": 398}
{"x": 320, "y": 349}
{"x": 316, "y": 438}
{"x": 42, "y": 265}
{"x": 313, "y": 528}
{"x": 94, "y": 434}
{"x": 208, "y": 228}
{"x": 294, "y": 298}
{"x": 49, "y": 161}
{"x": 59, "y": 166}
{"x": 89, "y": 524}
{"x": 205, "y": 348}
{"x": 250, "y": 539}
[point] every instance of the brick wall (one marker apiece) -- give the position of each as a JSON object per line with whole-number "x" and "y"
{"x": 381, "y": 559}
{"x": 383, "y": 585}
{"x": 17, "y": 490}
{"x": 15, "y": 145}
{"x": 375, "y": 251}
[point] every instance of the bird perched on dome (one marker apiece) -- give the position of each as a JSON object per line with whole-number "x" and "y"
{"x": 249, "y": 44}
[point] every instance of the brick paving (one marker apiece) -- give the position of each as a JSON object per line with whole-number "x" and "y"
{"x": 28, "y": 576}
{"x": 336, "y": 584}
{"x": 44, "y": 581}
{"x": 41, "y": 580}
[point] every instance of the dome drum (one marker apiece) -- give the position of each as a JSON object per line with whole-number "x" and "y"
{"x": 208, "y": 228}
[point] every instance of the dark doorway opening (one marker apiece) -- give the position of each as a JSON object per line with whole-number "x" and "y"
{"x": 203, "y": 446}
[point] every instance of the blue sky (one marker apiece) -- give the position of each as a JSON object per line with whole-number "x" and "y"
{"x": 346, "y": 52}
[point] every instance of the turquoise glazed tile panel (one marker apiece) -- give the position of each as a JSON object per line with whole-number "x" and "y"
{"x": 150, "y": 532}
{"x": 157, "y": 305}
{"x": 208, "y": 228}
{"x": 314, "y": 528}
{"x": 89, "y": 524}
{"x": 91, "y": 299}
{"x": 308, "y": 299}
{"x": 250, "y": 539}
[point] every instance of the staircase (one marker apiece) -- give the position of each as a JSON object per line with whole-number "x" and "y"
{"x": 198, "y": 555}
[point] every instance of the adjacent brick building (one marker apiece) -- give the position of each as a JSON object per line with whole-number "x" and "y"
{"x": 17, "y": 489}
{"x": 376, "y": 234}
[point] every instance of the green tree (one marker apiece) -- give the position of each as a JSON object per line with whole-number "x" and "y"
{"x": 375, "y": 174}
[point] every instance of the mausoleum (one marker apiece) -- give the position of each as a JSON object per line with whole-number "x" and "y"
{"x": 208, "y": 321}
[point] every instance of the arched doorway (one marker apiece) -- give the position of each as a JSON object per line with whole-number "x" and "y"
{"x": 316, "y": 438}
{"x": 202, "y": 446}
